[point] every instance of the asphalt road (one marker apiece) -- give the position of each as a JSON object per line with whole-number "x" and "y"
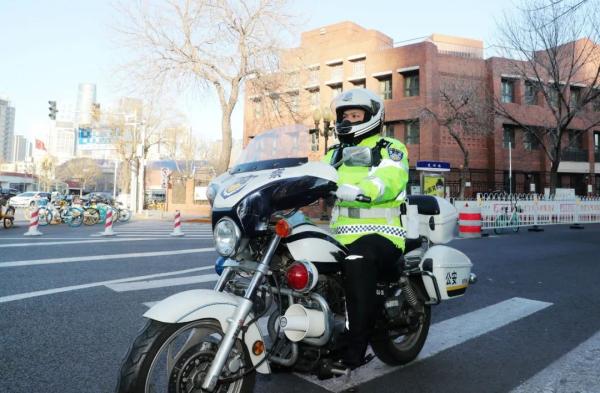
{"x": 71, "y": 303}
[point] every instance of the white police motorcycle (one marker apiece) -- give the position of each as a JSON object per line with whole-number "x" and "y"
{"x": 276, "y": 266}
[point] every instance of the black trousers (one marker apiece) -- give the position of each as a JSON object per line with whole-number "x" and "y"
{"x": 371, "y": 257}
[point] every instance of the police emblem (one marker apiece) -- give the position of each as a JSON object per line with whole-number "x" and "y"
{"x": 347, "y": 96}
{"x": 236, "y": 186}
{"x": 395, "y": 154}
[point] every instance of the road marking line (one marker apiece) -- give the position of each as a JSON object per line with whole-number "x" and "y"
{"x": 103, "y": 257}
{"x": 21, "y": 296}
{"x": 444, "y": 335}
{"x": 167, "y": 282}
{"x": 577, "y": 371}
{"x": 68, "y": 241}
{"x": 155, "y": 235}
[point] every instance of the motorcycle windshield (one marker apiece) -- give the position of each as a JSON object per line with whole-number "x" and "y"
{"x": 281, "y": 147}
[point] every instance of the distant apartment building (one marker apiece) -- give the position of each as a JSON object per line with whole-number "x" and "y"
{"x": 7, "y": 130}
{"x": 21, "y": 148}
{"x": 408, "y": 77}
{"x": 86, "y": 97}
{"x": 61, "y": 141}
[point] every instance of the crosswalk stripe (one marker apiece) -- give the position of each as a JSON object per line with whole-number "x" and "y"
{"x": 444, "y": 335}
{"x": 103, "y": 257}
{"x": 45, "y": 292}
{"x": 167, "y": 282}
{"x": 69, "y": 241}
{"x": 577, "y": 371}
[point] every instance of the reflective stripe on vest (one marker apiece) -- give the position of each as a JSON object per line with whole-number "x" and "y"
{"x": 374, "y": 212}
{"x": 369, "y": 228}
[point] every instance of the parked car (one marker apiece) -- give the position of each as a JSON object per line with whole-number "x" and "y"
{"x": 102, "y": 197}
{"x": 27, "y": 198}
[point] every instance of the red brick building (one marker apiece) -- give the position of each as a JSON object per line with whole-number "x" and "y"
{"x": 408, "y": 76}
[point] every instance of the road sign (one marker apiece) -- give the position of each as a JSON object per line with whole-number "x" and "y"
{"x": 433, "y": 166}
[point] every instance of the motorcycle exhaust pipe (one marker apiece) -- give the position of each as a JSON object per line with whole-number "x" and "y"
{"x": 299, "y": 323}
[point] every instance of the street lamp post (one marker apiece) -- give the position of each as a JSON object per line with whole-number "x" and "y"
{"x": 318, "y": 115}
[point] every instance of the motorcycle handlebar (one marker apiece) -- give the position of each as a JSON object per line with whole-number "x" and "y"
{"x": 359, "y": 197}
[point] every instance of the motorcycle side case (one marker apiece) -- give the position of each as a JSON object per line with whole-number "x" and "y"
{"x": 451, "y": 268}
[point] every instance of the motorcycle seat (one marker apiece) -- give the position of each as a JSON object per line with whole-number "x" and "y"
{"x": 426, "y": 204}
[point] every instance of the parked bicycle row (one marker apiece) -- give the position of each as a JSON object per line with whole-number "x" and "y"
{"x": 76, "y": 214}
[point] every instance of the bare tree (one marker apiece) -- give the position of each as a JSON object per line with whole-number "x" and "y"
{"x": 182, "y": 148}
{"x": 464, "y": 113}
{"x": 139, "y": 126}
{"x": 215, "y": 44}
{"x": 84, "y": 170}
{"x": 554, "y": 44}
{"x": 46, "y": 169}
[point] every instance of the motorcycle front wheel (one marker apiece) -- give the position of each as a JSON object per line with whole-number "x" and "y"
{"x": 175, "y": 358}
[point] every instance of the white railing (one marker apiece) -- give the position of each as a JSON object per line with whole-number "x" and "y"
{"x": 513, "y": 211}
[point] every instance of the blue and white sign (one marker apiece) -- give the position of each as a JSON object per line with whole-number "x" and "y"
{"x": 433, "y": 166}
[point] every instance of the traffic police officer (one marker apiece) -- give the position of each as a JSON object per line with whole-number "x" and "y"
{"x": 372, "y": 231}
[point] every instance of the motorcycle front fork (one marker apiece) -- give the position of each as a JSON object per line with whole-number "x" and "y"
{"x": 237, "y": 320}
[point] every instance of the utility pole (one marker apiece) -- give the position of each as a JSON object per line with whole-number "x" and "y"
{"x": 509, "y": 167}
{"x": 141, "y": 169}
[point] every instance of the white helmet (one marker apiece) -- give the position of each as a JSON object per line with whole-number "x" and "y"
{"x": 357, "y": 99}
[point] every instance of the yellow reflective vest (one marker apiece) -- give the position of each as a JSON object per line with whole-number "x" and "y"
{"x": 384, "y": 182}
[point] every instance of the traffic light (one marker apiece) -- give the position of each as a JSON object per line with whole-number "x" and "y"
{"x": 96, "y": 112}
{"x": 52, "y": 109}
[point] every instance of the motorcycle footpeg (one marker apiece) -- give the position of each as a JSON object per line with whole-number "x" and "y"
{"x": 328, "y": 370}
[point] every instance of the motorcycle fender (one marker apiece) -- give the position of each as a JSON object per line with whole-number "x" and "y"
{"x": 207, "y": 304}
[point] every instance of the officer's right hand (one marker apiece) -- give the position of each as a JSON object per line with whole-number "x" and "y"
{"x": 348, "y": 192}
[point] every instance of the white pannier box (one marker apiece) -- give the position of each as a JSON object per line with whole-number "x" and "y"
{"x": 452, "y": 270}
{"x": 437, "y": 218}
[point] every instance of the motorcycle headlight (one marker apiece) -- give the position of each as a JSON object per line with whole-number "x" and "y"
{"x": 227, "y": 237}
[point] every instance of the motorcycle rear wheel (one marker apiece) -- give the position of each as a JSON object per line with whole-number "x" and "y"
{"x": 174, "y": 358}
{"x": 404, "y": 349}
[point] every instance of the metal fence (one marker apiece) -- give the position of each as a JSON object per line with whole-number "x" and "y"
{"x": 513, "y": 211}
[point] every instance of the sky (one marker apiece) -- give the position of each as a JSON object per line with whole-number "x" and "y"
{"x": 48, "y": 47}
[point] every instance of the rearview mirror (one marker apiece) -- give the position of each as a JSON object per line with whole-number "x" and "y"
{"x": 357, "y": 156}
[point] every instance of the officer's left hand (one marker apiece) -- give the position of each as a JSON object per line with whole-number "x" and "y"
{"x": 348, "y": 192}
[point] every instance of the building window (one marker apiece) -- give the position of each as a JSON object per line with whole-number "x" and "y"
{"x": 385, "y": 87}
{"x": 315, "y": 99}
{"x": 553, "y": 95}
{"x": 257, "y": 108}
{"x": 411, "y": 83}
{"x": 358, "y": 68}
{"x": 275, "y": 101}
{"x": 596, "y": 102}
{"x": 292, "y": 82}
{"x": 412, "y": 132}
{"x": 293, "y": 102}
{"x": 388, "y": 130}
{"x": 530, "y": 93}
{"x": 313, "y": 76}
{"x": 508, "y": 137}
{"x": 575, "y": 97}
{"x": 336, "y": 90}
{"x": 597, "y": 146}
{"x": 530, "y": 141}
{"x": 508, "y": 91}
{"x": 575, "y": 140}
{"x": 337, "y": 72}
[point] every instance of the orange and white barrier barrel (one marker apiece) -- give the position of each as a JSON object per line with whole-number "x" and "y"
{"x": 469, "y": 221}
{"x": 33, "y": 223}
{"x": 177, "y": 232}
